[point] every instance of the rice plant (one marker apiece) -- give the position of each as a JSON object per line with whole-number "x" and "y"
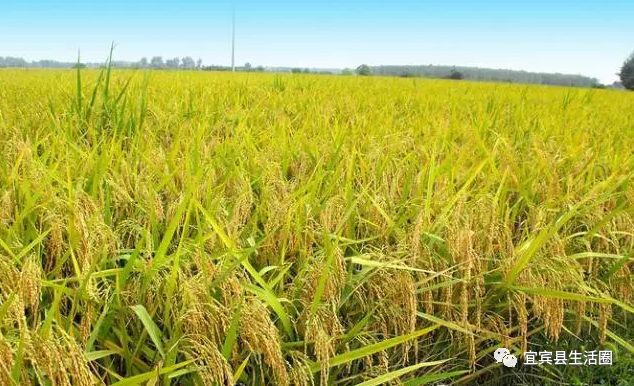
{"x": 189, "y": 228}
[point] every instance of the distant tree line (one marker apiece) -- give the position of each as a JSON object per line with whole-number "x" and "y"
{"x": 10, "y": 61}
{"x": 429, "y": 71}
{"x": 246, "y": 68}
{"x": 485, "y": 74}
{"x": 186, "y": 62}
{"x": 155, "y": 62}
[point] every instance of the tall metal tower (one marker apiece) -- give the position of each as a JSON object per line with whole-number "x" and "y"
{"x": 233, "y": 39}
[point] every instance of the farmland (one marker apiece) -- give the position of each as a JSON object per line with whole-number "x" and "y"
{"x": 191, "y": 228}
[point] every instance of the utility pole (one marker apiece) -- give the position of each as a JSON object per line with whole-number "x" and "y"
{"x": 233, "y": 40}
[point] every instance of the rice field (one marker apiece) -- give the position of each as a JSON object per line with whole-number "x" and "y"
{"x": 196, "y": 228}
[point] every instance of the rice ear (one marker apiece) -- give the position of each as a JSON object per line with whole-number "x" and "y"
{"x": 260, "y": 335}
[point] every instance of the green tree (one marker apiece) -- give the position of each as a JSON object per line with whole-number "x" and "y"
{"x": 364, "y": 70}
{"x": 455, "y": 75}
{"x": 188, "y": 62}
{"x": 172, "y": 63}
{"x": 627, "y": 73}
{"x": 157, "y": 62}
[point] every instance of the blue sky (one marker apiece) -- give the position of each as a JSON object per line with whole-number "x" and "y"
{"x": 580, "y": 37}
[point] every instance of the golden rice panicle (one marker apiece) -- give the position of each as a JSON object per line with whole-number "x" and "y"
{"x": 86, "y": 323}
{"x": 6, "y": 362}
{"x": 239, "y": 189}
{"x": 335, "y": 276}
{"x": 96, "y": 237}
{"x": 332, "y": 214}
{"x": 322, "y": 326}
{"x": 159, "y": 207}
{"x": 428, "y": 301}
{"x": 275, "y": 199}
{"x": 232, "y": 290}
{"x": 260, "y": 335}
{"x": 213, "y": 368}
{"x": 461, "y": 247}
{"x": 300, "y": 373}
{"x": 60, "y": 358}
{"x": 324, "y": 345}
{"x": 554, "y": 318}
{"x": 393, "y": 293}
{"x": 497, "y": 324}
{"x": 55, "y": 244}
{"x": 11, "y": 290}
{"x": 31, "y": 282}
{"x": 519, "y": 302}
{"x": 7, "y": 207}
{"x": 205, "y": 320}
{"x": 335, "y": 279}
{"x": 416, "y": 246}
{"x": 203, "y": 314}
{"x": 549, "y": 310}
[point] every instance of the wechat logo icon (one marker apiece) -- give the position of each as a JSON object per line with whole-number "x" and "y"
{"x": 504, "y": 356}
